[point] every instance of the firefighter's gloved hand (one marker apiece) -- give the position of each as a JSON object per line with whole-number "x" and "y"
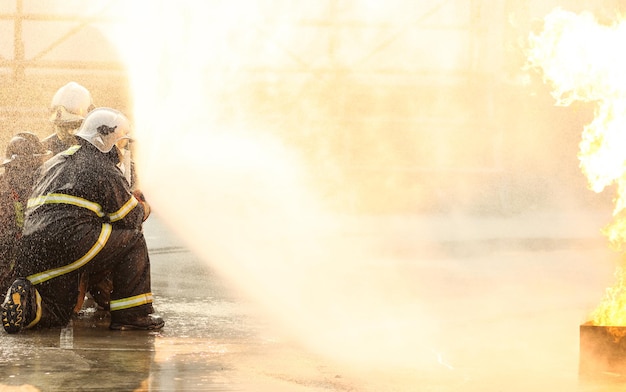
{"x": 142, "y": 199}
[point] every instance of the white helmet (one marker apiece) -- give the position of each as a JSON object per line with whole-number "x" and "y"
{"x": 103, "y": 127}
{"x": 70, "y": 103}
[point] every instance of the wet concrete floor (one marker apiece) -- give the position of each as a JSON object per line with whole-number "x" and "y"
{"x": 212, "y": 341}
{"x": 509, "y": 299}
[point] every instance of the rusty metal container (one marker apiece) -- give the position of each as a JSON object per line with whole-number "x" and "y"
{"x": 602, "y": 352}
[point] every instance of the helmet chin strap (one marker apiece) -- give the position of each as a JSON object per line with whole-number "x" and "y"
{"x": 124, "y": 165}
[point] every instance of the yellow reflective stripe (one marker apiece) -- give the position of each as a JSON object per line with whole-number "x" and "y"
{"x": 38, "y": 312}
{"x": 59, "y": 198}
{"x": 126, "y": 208}
{"x": 95, "y": 249}
{"x": 131, "y": 302}
{"x": 19, "y": 214}
{"x": 71, "y": 150}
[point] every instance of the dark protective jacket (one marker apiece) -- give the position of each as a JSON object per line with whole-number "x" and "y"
{"x": 85, "y": 174}
{"x": 12, "y": 206}
{"x": 15, "y": 188}
{"x": 82, "y": 217}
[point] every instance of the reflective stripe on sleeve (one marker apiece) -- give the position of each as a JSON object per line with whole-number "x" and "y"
{"x": 95, "y": 249}
{"x": 131, "y": 302}
{"x": 126, "y": 208}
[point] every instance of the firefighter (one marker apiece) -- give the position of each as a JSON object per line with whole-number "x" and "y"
{"x": 83, "y": 217}
{"x": 24, "y": 155}
{"x": 70, "y": 104}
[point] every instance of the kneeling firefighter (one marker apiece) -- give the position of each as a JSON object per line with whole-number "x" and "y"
{"x": 83, "y": 218}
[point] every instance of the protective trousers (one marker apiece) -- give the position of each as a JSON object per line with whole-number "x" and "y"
{"x": 54, "y": 265}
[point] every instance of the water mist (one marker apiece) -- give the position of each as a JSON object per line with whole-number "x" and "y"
{"x": 246, "y": 202}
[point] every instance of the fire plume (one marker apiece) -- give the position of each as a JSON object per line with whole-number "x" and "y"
{"x": 579, "y": 59}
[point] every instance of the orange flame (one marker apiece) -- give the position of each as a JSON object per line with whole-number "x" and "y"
{"x": 580, "y": 59}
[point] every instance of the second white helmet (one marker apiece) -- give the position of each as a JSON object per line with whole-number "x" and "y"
{"x": 70, "y": 103}
{"x": 104, "y": 127}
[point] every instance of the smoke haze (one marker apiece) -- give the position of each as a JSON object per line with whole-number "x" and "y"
{"x": 389, "y": 211}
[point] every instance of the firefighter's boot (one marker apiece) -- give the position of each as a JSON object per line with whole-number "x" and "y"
{"x": 21, "y": 307}
{"x": 145, "y": 322}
